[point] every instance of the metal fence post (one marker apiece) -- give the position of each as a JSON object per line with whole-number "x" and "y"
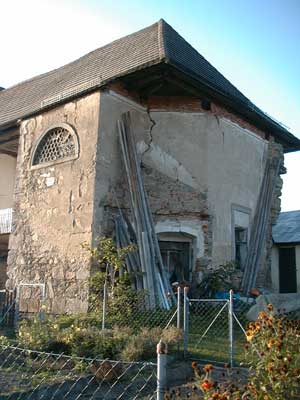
{"x": 162, "y": 354}
{"x": 230, "y": 320}
{"x": 42, "y": 303}
{"x": 104, "y": 305}
{"x": 178, "y": 306}
{"x": 178, "y": 315}
{"x": 185, "y": 321}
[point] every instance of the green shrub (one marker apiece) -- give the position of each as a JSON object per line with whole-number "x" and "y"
{"x": 36, "y": 334}
{"x": 142, "y": 346}
{"x": 90, "y": 342}
{"x": 4, "y": 341}
{"x": 216, "y": 280}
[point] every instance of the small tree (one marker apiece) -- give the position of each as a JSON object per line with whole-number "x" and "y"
{"x": 109, "y": 260}
{"x": 108, "y": 257}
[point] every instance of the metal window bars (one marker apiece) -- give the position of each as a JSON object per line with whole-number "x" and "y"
{"x": 58, "y": 143}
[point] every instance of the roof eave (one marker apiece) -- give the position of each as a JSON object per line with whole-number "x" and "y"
{"x": 292, "y": 143}
{"x": 66, "y": 99}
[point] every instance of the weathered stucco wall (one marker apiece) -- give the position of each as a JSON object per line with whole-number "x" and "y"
{"x": 195, "y": 167}
{"x": 7, "y": 180}
{"x": 221, "y": 159}
{"x": 54, "y": 211}
{"x": 174, "y": 197}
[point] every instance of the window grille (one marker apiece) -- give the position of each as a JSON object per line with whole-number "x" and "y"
{"x": 57, "y": 144}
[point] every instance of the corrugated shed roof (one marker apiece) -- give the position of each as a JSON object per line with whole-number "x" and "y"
{"x": 287, "y": 228}
{"x": 158, "y": 43}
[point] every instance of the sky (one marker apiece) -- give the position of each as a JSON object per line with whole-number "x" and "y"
{"x": 255, "y": 44}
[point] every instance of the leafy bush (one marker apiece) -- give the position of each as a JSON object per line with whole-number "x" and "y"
{"x": 107, "y": 260}
{"x": 36, "y": 334}
{"x": 216, "y": 280}
{"x": 90, "y": 342}
{"x": 54, "y": 334}
{"x": 124, "y": 303}
{"x": 81, "y": 336}
{"x": 142, "y": 346}
{"x": 4, "y": 341}
{"x": 274, "y": 356}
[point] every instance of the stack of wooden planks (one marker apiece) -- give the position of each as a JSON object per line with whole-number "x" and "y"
{"x": 260, "y": 225}
{"x": 147, "y": 262}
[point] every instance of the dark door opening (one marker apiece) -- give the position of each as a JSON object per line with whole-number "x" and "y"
{"x": 176, "y": 259}
{"x": 287, "y": 270}
{"x": 241, "y": 246}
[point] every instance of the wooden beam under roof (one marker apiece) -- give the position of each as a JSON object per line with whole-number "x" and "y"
{"x": 9, "y": 142}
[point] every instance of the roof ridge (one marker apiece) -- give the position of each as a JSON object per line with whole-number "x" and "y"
{"x": 161, "y": 39}
{"x": 174, "y": 31}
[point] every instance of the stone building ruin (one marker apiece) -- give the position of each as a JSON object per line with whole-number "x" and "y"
{"x": 203, "y": 148}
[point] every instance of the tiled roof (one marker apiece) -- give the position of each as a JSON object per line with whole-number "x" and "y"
{"x": 158, "y": 43}
{"x": 92, "y": 70}
{"x": 287, "y": 228}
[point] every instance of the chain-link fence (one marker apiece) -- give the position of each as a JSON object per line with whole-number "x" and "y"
{"x": 208, "y": 330}
{"x": 27, "y": 374}
{"x": 214, "y": 329}
{"x": 136, "y": 313}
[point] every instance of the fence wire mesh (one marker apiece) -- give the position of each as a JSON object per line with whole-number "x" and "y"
{"x": 240, "y": 322}
{"x": 27, "y": 374}
{"x": 208, "y": 330}
{"x": 136, "y": 314}
{"x": 212, "y": 334}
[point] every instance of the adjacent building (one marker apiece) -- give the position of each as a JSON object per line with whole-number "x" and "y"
{"x": 286, "y": 253}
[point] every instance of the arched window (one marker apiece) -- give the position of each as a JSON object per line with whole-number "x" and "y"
{"x": 58, "y": 144}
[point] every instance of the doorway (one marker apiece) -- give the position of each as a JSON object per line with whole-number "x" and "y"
{"x": 176, "y": 259}
{"x": 287, "y": 270}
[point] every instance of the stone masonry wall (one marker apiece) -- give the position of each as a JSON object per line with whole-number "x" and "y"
{"x": 54, "y": 212}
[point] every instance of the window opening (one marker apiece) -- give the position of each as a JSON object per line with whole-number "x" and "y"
{"x": 241, "y": 246}
{"x": 59, "y": 143}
